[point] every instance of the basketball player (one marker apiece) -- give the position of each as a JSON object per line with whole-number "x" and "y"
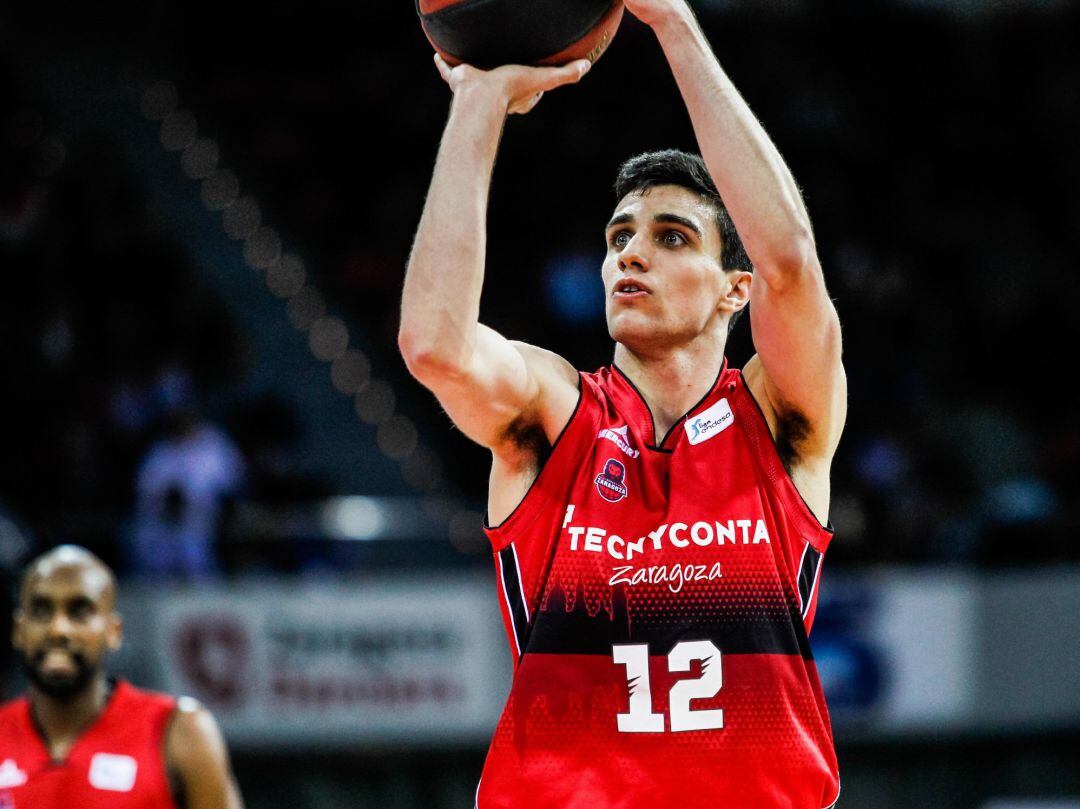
{"x": 658, "y": 525}
{"x": 81, "y": 739}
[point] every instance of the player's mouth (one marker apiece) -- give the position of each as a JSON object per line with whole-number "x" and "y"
{"x": 626, "y": 289}
{"x": 57, "y": 662}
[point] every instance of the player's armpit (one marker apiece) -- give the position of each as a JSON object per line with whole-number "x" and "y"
{"x": 198, "y": 760}
{"x": 500, "y": 385}
{"x": 801, "y": 382}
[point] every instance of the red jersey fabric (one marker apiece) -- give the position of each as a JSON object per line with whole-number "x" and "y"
{"x": 657, "y": 594}
{"x": 117, "y": 763}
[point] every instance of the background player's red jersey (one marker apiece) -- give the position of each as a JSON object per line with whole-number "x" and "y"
{"x": 658, "y": 596}
{"x": 117, "y": 763}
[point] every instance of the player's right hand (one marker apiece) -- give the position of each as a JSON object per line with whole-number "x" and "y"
{"x": 519, "y": 87}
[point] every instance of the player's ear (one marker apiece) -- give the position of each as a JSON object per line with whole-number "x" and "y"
{"x": 737, "y": 295}
{"x": 17, "y": 631}
{"x": 114, "y": 634}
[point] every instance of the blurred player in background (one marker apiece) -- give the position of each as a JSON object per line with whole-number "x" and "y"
{"x": 658, "y": 525}
{"x": 81, "y": 739}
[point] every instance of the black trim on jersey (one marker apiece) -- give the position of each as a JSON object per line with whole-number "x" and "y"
{"x": 828, "y": 526}
{"x": 808, "y": 575}
{"x": 652, "y": 421}
{"x": 773, "y": 629}
{"x": 515, "y": 598}
{"x": 543, "y": 465}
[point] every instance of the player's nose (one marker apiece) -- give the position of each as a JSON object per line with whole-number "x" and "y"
{"x": 632, "y": 256}
{"x": 59, "y": 627}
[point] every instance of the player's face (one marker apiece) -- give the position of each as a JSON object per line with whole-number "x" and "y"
{"x": 663, "y": 280}
{"x": 64, "y": 625}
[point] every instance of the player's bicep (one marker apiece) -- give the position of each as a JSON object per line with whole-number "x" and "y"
{"x": 500, "y": 382}
{"x": 796, "y": 333}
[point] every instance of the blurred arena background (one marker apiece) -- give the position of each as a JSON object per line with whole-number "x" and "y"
{"x": 205, "y": 212}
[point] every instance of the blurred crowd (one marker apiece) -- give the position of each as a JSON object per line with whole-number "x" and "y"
{"x": 937, "y": 158}
{"x": 121, "y": 427}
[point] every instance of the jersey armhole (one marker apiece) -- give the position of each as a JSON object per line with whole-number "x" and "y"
{"x": 757, "y": 430}
{"x": 538, "y": 494}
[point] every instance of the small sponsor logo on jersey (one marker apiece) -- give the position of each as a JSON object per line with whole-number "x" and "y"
{"x": 113, "y": 772}
{"x": 10, "y": 775}
{"x": 620, "y": 437}
{"x": 710, "y": 423}
{"x": 611, "y": 483}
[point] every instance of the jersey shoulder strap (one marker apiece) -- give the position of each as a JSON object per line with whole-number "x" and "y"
{"x": 555, "y": 475}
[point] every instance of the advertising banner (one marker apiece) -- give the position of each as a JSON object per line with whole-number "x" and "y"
{"x": 897, "y": 651}
{"x": 392, "y": 662}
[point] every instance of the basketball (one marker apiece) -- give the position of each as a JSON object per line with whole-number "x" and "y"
{"x": 489, "y": 33}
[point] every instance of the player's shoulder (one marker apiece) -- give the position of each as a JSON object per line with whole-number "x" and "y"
{"x": 557, "y": 395}
{"x": 193, "y": 734}
{"x": 550, "y": 366}
{"x": 541, "y": 361}
{"x": 753, "y": 372}
{"x": 14, "y": 722}
{"x": 191, "y": 719}
{"x": 190, "y": 706}
{"x": 12, "y": 709}
{"x": 144, "y": 697}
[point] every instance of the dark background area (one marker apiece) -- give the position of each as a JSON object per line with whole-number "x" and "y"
{"x": 935, "y": 151}
{"x": 935, "y": 144}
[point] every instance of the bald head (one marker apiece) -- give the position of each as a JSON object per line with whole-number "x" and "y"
{"x": 66, "y": 622}
{"x": 76, "y": 565}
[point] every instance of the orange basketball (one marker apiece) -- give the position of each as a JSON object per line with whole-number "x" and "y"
{"x": 489, "y": 33}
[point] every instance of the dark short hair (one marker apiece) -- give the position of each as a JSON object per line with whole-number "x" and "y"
{"x": 675, "y": 167}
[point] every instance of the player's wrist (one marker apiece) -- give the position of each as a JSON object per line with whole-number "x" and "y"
{"x": 481, "y": 96}
{"x": 676, "y": 18}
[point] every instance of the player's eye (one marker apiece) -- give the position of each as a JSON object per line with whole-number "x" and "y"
{"x": 39, "y": 611}
{"x": 620, "y": 238}
{"x": 81, "y": 610}
{"x": 672, "y": 238}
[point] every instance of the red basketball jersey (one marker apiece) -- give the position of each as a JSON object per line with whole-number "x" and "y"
{"x": 658, "y": 595}
{"x": 117, "y": 763}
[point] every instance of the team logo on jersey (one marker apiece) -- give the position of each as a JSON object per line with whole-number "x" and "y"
{"x": 113, "y": 772}
{"x": 611, "y": 483}
{"x": 10, "y": 776}
{"x": 620, "y": 438}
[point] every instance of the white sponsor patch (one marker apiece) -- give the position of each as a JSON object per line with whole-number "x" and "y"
{"x": 112, "y": 772}
{"x": 710, "y": 423}
{"x": 11, "y": 775}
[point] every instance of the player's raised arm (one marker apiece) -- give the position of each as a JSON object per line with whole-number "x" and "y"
{"x": 795, "y": 327}
{"x": 484, "y": 381}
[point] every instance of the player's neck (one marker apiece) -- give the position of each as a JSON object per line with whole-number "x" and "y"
{"x": 672, "y": 381}
{"x": 61, "y": 721}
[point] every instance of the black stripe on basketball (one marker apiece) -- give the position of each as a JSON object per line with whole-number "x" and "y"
{"x": 489, "y": 33}
{"x": 514, "y": 597}
{"x": 807, "y": 575}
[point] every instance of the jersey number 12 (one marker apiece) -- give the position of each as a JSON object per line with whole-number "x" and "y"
{"x": 640, "y": 718}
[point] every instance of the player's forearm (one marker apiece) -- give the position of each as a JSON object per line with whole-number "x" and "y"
{"x": 750, "y": 174}
{"x": 441, "y": 298}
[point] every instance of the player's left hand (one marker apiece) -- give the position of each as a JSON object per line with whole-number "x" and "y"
{"x": 652, "y": 12}
{"x": 518, "y": 87}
